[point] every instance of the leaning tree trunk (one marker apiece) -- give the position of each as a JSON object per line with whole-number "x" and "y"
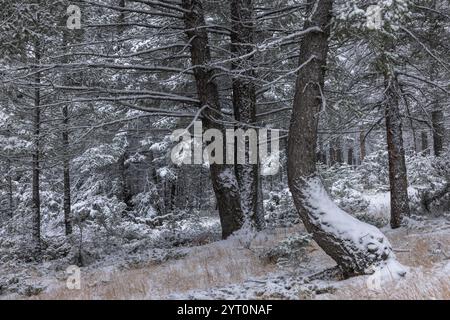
{"x": 244, "y": 105}
{"x": 223, "y": 176}
{"x": 354, "y": 245}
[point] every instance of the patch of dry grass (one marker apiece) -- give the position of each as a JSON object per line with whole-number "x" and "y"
{"x": 428, "y": 278}
{"x": 420, "y": 284}
{"x": 213, "y": 265}
{"x": 224, "y": 263}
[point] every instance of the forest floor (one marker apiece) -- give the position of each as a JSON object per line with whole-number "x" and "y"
{"x": 234, "y": 269}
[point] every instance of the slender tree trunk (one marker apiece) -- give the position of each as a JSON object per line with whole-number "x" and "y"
{"x": 350, "y": 156}
{"x": 411, "y": 124}
{"x": 339, "y": 155}
{"x": 36, "y": 197}
{"x": 10, "y": 190}
{"x": 126, "y": 191}
{"x": 332, "y": 153}
{"x": 362, "y": 146}
{"x": 244, "y": 104}
{"x": 223, "y": 176}
{"x": 66, "y": 171}
{"x": 396, "y": 152}
{"x": 437, "y": 119}
{"x": 354, "y": 245}
{"x": 424, "y": 138}
{"x": 121, "y": 19}
{"x": 173, "y": 195}
{"x": 321, "y": 154}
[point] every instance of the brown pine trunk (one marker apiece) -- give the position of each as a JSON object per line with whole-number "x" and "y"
{"x": 244, "y": 105}
{"x": 354, "y": 245}
{"x": 396, "y": 152}
{"x": 223, "y": 176}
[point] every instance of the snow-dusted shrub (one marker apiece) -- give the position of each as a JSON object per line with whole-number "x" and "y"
{"x": 289, "y": 253}
{"x": 374, "y": 171}
{"x": 430, "y": 177}
{"x": 280, "y": 210}
{"x": 105, "y": 212}
{"x": 192, "y": 230}
{"x": 378, "y": 220}
{"x": 143, "y": 204}
{"x": 346, "y": 188}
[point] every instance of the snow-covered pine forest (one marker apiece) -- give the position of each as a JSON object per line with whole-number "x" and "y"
{"x": 91, "y": 92}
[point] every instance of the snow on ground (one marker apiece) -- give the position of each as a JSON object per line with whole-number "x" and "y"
{"x": 379, "y": 208}
{"x": 233, "y": 269}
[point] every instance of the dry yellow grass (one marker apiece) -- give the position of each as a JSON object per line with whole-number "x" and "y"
{"x": 429, "y": 277}
{"x": 421, "y": 284}
{"x": 205, "y": 267}
{"x": 221, "y": 264}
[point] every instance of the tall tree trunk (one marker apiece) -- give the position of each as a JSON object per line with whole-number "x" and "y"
{"x": 321, "y": 154}
{"x": 339, "y": 155}
{"x": 223, "y": 176}
{"x": 424, "y": 138}
{"x": 332, "y": 153}
{"x": 396, "y": 152}
{"x": 244, "y": 104}
{"x": 66, "y": 171}
{"x": 411, "y": 123}
{"x": 354, "y": 245}
{"x": 350, "y": 156}
{"x": 10, "y": 189}
{"x": 126, "y": 194}
{"x": 36, "y": 197}
{"x": 362, "y": 145}
{"x": 437, "y": 119}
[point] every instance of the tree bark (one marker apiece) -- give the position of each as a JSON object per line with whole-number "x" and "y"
{"x": 396, "y": 152}
{"x": 321, "y": 154}
{"x": 244, "y": 105}
{"x": 437, "y": 119}
{"x": 333, "y": 154}
{"x": 362, "y": 146}
{"x": 66, "y": 172}
{"x": 350, "y": 156}
{"x": 36, "y": 197}
{"x": 339, "y": 156}
{"x": 223, "y": 176}
{"x": 424, "y": 138}
{"x": 10, "y": 189}
{"x": 354, "y": 245}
